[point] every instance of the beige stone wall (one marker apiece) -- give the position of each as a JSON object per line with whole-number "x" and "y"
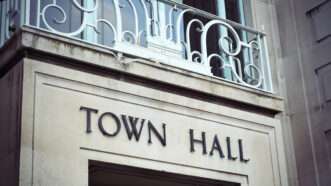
{"x": 56, "y": 147}
{"x": 61, "y": 75}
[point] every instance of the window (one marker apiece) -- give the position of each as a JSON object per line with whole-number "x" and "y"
{"x": 324, "y": 78}
{"x": 320, "y": 21}
{"x": 234, "y": 10}
{"x": 237, "y": 11}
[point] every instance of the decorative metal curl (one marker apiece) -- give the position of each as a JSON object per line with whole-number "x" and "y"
{"x": 141, "y": 34}
{"x": 108, "y": 24}
{"x": 147, "y": 17}
{"x": 226, "y": 47}
{"x": 197, "y": 58}
{"x": 237, "y": 74}
{"x": 258, "y": 80}
{"x": 136, "y": 19}
{"x": 64, "y": 19}
{"x": 180, "y": 18}
{"x": 171, "y": 27}
{"x": 170, "y": 31}
{"x": 220, "y": 58}
{"x": 231, "y": 30}
{"x": 188, "y": 37}
{"x": 129, "y": 37}
{"x": 254, "y": 44}
{"x": 255, "y": 49}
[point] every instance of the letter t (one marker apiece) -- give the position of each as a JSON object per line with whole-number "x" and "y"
{"x": 89, "y": 112}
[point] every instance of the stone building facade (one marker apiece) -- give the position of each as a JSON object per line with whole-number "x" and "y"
{"x": 147, "y": 92}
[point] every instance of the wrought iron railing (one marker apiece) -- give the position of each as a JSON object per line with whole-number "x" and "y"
{"x": 159, "y": 30}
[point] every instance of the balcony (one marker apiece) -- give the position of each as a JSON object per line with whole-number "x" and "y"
{"x": 158, "y": 30}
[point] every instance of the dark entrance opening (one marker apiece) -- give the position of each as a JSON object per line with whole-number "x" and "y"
{"x": 106, "y": 174}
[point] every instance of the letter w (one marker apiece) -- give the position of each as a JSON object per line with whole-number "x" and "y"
{"x": 130, "y": 124}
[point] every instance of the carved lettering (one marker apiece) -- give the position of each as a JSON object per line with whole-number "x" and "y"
{"x": 241, "y": 152}
{"x": 130, "y": 124}
{"x": 89, "y": 112}
{"x": 152, "y": 129}
{"x": 134, "y": 128}
{"x": 201, "y": 141}
{"x": 228, "y": 143}
{"x": 117, "y": 122}
{"x": 216, "y": 146}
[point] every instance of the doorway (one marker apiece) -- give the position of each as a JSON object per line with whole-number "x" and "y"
{"x": 106, "y": 174}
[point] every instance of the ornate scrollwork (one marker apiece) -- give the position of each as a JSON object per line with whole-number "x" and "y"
{"x": 242, "y": 76}
{"x": 180, "y": 19}
{"x": 241, "y": 57}
{"x": 141, "y": 35}
{"x": 196, "y": 57}
{"x": 108, "y": 24}
{"x": 191, "y": 53}
{"x": 170, "y": 28}
{"x": 61, "y": 21}
{"x": 129, "y": 37}
{"x": 231, "y": 45}
{"x": 230, "y": 30}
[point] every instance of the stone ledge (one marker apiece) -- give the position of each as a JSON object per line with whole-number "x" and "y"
{"x": 48, "y": 43}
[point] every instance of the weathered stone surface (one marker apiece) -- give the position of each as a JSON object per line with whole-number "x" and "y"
{"x": 55, "y": 141}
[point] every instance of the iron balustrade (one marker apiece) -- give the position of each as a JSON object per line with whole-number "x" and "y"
{"x": 159, "y": 30}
